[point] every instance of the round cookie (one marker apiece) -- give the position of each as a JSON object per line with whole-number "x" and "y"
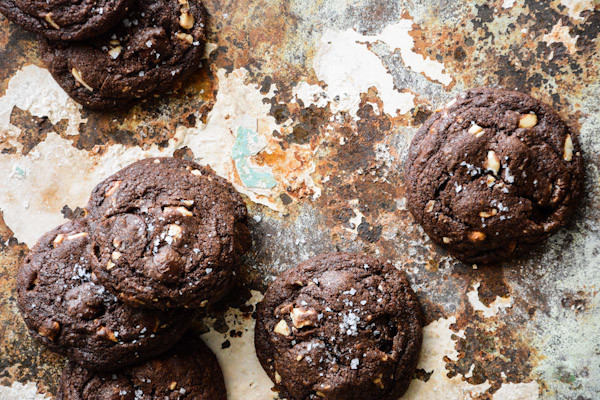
{"x": 189, "y": 371}
{"x": 68, "y": 312}
{"x": 493, "y": 173}
{"x": 65, "y": 20}
{"x": 158, "y": 44}
{"x": 340, "y": 326}
{"x": 169, "y": 233}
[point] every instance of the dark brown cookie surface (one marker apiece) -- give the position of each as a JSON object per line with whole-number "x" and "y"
{"x": 169, "y": 233}
{"x": 189, "y": 371}
{"x": 493, "y": 173}
{"x": 340, "y": 326}
{"x": 69, "y": 313}
{"x": 158, "y": 44}
{"x": 65, "y": 20}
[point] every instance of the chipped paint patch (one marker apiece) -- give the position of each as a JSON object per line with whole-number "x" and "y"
{"x": 344, "y": 61}
{"x": 488, "y": 311}
{"x": 254, "y": 162}
{"x": 356, "y": 220}
{"x": 576, "y": 7}
{"x": 19, "y": 391}
{"x": 439, "y": 344}
{"x": 310, "y": 94}
{"x": 33, "y": 89}
{"x": 397, "y": 37}
{"x": 560, "y": 34}
{"x": 346, "y": 65}
{"x": 212, "y": 142}
{"x": 249, "y": 143}
{"x": 508, "y": 3}
{"x": 245, "y": 378}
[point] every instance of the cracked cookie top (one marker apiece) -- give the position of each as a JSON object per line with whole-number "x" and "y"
{"x": 168, "y": 233}
{"x": 493, "y": 173}
{"x": 340, "y": 326}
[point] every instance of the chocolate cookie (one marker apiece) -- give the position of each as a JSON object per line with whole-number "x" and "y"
{"x": 65, "y": 20}
{"x": 72, "y": 315}
{"x": 160, "y": 43}
{"x": 169, "y": 233}
{"x": 189, "y": 371}
{"x": 340, "y": 326}
{"x": 493, "y": 173}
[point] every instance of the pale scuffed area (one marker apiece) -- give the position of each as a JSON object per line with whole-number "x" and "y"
{"x": 244, "y": 377}
{"x": 437, "y": 344}
{"x": 492, "y": 310}
{"x": 518, "y": 391}
{"x": 33, "y": 89}
{"x": 18, "y": 391}
{"x": 52, "y": 175}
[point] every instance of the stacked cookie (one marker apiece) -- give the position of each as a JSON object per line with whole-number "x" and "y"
{"x": 106, "y": 53}
{"x": 111, "y": 290}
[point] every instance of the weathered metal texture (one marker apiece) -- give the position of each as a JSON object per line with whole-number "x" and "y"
{"x": 308, "y": 107}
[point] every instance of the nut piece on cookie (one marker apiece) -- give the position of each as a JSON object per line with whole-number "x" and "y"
{"x": 528, "y": 121}
{"x": 282, "y": 328}
{"x": 302, "y": 317}
{"x": 492, "y": 162}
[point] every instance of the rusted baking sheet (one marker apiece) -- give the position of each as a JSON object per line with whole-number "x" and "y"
{"x": 320, "y": 100}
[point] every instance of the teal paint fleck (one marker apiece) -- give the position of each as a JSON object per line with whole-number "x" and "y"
{"x": 241, "y": 152}
{"x": 19, "y": 172}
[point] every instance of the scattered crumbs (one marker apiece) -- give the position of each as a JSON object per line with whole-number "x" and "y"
{"x": 354, "y": 363}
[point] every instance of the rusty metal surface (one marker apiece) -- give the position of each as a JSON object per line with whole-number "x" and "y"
{"x": 324, "y": 98}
